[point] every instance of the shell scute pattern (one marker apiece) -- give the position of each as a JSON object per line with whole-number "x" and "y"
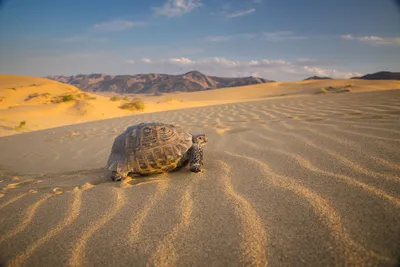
{"x": 156, "y": 147}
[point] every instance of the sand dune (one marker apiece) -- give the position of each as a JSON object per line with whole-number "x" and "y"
{"x": 288, "y": 181}
{"x": 28, "y": 103}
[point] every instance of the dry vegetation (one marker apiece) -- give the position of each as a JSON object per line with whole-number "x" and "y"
{"x": 331, "y": 89}
{"x": 35, "y": 95}
{"x": 72, "y": 97}
{"x": 136, "y": 104}
{"x": 20, "y": 126}
{"x": 118, "y": 98}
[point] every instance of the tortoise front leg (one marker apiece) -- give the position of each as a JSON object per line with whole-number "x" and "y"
{"x": 196, "y": 158}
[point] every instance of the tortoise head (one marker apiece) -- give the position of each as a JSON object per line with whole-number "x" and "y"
{"x": 201, "y": 139}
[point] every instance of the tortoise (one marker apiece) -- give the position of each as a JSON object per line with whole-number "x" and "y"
{"x": 154, "y": 148}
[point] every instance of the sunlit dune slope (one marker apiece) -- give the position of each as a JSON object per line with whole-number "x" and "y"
{"x": 42, "y": 103}
{"x": 31, "y": 103}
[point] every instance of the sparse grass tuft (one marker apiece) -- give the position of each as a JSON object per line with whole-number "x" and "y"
{"x": 136, "y": 104}
{"x": 115, "y": 98}
{"x": 125, "y": 98}
{"x": 34, "y": 95}
{"x": 21, "y": 126}
{"x": 87, "y": 97}
{"x": 321, "y": 91}
{"x": 342, "y": 90}
{"x": 63, "y": 98}
{"x": 67, "y": 98}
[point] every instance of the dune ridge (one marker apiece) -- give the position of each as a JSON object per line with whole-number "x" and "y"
{"x": 280, "y": 187}
{"x": 40, "y": 103}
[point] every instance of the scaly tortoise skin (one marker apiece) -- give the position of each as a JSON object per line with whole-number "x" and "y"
{"x": 153, "y": 148}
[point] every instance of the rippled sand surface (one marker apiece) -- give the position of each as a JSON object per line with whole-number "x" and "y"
{"x": 305, "y": 181}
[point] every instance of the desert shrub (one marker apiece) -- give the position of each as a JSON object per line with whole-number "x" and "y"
{"x": 20, "y": 126}
{"x": 67, "y": 98}
{"x": 86, "y": 96}
{"x": 63, "y": 98}
{"x": 321, "y": 91}
{"x": 115, "y": 98}
{"x": 135, "y": 105}
{"x": 125, "y": 98}
{"x": 34, "y": 95}
{"x": 343, "y": 90}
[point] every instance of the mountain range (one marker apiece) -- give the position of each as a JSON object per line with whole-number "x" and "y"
{"x": 381, "y": 75}
{"x": 317, "y": 78}
{"x": 153, "y": 83}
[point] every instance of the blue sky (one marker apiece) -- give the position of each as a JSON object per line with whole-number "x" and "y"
{"x": 273, "y": 39}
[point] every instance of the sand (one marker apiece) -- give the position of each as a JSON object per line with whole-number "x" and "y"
{"x": 26, "y": 102}
{"x": 310, "y": 180}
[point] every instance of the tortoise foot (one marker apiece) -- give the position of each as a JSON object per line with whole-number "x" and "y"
{"x": 116, "y": 178}
{"x": 195, "y": 168}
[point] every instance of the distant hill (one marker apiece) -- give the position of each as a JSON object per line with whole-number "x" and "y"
{"x": 317, "y": 78}
{"x": 382, "y": 75}
{"x": 153, "y": 83}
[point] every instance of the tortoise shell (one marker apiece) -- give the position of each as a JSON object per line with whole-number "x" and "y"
{"x": 150, "y": 148}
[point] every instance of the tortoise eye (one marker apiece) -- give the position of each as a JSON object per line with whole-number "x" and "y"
{"x": 162, "y": 129}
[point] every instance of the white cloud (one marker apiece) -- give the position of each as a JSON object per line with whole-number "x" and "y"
{"x": 117, "y": 25}
{"x": 174, "y": 8}
{"x": 146, "y": 60}
{"x": 182, "y": 60}
{"x": 220, "y": 38}
{"x": 330, "y": 72}
{"x": 225, "y": 38}
{"x": 240, "y": 13}
{"x": 373, "y": 39}
{"x": 268, "y": 36}
{"x": 266, "y": 68}
{"x": 120, "y": 63}
{"x": 281, "y": 36}
{"x": 347, "y": 37}
{"x": 82, "y": 39}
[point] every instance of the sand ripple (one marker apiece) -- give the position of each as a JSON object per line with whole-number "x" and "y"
{"x": 296, "y": 181}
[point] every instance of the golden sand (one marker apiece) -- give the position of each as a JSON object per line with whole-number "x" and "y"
{"x": 29, "y": 100}
{"x": 303, "y": 179}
